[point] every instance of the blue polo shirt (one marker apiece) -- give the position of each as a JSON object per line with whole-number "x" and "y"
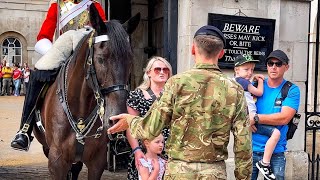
{"x": 266, "y": 105}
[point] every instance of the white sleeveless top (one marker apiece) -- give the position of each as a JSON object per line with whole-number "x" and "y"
{"x": 148, "y": 165}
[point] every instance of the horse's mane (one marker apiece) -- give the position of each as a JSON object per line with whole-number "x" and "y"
{"x": 119, "y": 46}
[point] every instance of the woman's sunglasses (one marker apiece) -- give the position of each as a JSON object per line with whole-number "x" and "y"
{"x": 158, "y": 70}
{"x": 278, "y": 64}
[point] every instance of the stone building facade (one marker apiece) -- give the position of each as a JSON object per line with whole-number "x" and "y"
{"x": 20, "y": 22}
{"x": 291, "y": 36}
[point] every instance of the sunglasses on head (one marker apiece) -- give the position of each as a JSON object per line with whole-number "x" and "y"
{"x": 157, "y": 70}
{"x": 278, "y": 64}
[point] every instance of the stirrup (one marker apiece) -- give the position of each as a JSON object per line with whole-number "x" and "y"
{"x": 29, "y": 141}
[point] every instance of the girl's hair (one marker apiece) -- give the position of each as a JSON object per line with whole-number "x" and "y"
{"x": 144, "y": 148}
{"x": 146, "y": 79}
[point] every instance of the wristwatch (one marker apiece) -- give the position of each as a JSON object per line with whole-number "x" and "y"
{"x": 256, "y": 119}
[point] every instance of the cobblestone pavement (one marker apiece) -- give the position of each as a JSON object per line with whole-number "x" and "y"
{"x": 32, "y": 164}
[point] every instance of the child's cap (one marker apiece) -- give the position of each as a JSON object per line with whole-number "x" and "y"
{"x": 243, "y": 58}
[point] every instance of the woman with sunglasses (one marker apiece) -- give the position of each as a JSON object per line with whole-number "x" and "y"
{"x": 157, "y": 72}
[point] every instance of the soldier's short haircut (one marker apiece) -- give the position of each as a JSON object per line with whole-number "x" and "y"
{"x": 208, "y": 46}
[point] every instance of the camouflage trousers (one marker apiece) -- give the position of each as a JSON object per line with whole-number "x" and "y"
{"x": 180, "y": 170}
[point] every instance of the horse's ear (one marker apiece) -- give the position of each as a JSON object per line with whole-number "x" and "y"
{"x": 95, "y": 20}
{"x": 131, "y": 24}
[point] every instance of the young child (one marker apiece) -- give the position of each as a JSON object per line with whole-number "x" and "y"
{"x": 153, "y": 166}
{"x": 244, "y": 65}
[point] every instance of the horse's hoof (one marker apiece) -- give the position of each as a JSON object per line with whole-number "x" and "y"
{"x": 21, "y": 142}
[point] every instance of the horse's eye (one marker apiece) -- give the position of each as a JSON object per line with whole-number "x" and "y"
{"x": 100, "y": 60}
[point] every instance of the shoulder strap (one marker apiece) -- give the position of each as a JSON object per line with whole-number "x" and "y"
{"x": 153, "y": 96}
{"x": 284, "y": 93}
{"x": 285, "y": 89}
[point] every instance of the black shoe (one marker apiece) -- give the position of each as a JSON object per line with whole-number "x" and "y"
{"x": 266, "y": 171}
{"x": 21, "y": 141}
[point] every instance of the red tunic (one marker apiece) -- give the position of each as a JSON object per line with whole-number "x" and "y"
{"x": 49, "y": 25}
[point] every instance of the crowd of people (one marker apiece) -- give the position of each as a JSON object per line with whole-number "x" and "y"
{"x": 14, "y": 79}
{"x": 200, "y": 107}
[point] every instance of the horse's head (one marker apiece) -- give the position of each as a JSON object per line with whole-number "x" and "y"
{"x": 112, "y": 60}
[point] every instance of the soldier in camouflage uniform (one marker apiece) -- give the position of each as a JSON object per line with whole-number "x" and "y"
{"x": 200, "y": 106}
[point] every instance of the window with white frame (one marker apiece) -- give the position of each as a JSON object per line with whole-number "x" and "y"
{"x": 12, "y": 50}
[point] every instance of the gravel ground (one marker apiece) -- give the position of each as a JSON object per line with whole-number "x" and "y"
{"x": 32, "y": 164}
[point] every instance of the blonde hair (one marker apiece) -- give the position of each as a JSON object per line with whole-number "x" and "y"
{"x": 144, "y": 147}
{"x": 146, "y": 79}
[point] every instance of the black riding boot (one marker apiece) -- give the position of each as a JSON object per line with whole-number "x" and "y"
{"x": 23, "y": 138}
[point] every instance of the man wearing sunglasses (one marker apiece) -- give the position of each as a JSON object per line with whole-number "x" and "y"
{"x": 200, "y": 106}
{"x": 272, "y": 110}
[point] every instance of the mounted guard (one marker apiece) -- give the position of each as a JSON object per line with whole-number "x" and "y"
{"x": 72, "y": 15}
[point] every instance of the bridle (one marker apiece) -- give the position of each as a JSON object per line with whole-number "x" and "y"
{"x": 83, "y": 127}
{"x": 91, "y": 76}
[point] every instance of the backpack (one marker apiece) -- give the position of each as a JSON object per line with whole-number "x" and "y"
{"x": 293, "y": 124}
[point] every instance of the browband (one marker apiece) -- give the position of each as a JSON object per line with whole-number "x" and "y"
{"x": 101, "y": 38}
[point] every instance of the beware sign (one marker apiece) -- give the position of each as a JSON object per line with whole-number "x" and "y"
{"x": 244, "y": 35}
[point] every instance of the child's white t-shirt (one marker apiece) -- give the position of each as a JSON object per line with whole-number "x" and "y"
{"x": 147, "y": 163}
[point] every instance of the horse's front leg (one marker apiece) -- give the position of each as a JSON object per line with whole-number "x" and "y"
{"x": 58, "y": 164}
{"x": 75, "y": 170}
{"x": 97, "y": 163}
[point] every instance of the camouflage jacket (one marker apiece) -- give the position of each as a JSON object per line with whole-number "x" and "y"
{"x": 200, "y": 106}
